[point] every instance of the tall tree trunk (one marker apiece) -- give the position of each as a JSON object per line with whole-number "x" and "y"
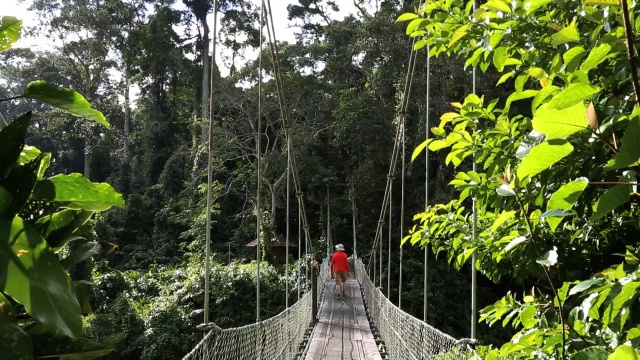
{"x": 205, "y": 80}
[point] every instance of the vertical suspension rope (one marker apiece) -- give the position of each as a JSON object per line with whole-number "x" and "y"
{"x": 299, "y": 246}
{"x": 286, "y": 268}
{"x": 207, "y": 266}
{"x": 474, "y": 231}
{"x": 426, "y": 190}
{"x": 390, "y": 232}
{"x": 329, "y": 239}
{"x": 259, "y": 166}
{"x": 354, "y": 210}
{"x": 402, "y": 209}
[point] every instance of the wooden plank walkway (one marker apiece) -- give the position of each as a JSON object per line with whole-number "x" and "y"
{"x": 342, "y": 331}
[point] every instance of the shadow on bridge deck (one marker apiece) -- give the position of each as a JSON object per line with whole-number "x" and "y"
{"x": 342, "y": 331}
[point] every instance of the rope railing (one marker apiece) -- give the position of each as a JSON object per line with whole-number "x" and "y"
{"x": 275, "y": 338}
{"x": 404, "y": 336}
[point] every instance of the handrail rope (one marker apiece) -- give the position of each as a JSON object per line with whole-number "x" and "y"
{"x": 207, "y": 265}
{"x": 273, "y": 46}
{"x": 404, "y": 335}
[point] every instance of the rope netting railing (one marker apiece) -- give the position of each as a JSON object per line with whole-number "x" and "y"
{"x": 275, "y": 338}
{"x": 406, "y": 337}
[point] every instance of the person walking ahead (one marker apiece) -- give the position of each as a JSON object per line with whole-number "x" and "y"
{"x": 339, "y": 268}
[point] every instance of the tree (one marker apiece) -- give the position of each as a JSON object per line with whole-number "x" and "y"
{"x": 40, "y": 313}
{"x": 552, "y": 179}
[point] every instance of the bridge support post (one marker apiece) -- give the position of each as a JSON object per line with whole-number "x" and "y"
{"x": 314, "y": 291}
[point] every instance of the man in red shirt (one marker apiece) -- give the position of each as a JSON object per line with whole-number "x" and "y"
{"x": 339, "y": 268}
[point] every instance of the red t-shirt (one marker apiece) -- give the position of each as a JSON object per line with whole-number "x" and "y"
{"x": 339, "y": 262}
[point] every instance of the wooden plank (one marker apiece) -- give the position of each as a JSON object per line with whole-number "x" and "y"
{"x": 342, "y": 331}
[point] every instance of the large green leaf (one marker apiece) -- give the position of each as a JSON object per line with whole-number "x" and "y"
{"x": 624, "y": 352}
{"x": 31, "y": 152}
{"x": 14, "y": 341}
{"x": 629, "y": 154}
{"x": 66, "y": 100}
{"x": 564, "y": 199}
{"x": 10, "y": 28}
{"x": 597, "y": 55}
{"x": 614, "y": 197}
{"x": 58, "y": 228}
{"x": 568, "y": 34}
{"x": 19, "y": 184}
{"x": 31, "y": 274}
{"x": 11, "y": 143}
{"x": 542, "y": 156}
{"x": 591, "y": 353}
{"x": 76, "y": 192}
{"x": 558, "y": 124}
{"x": 572, "y": 95}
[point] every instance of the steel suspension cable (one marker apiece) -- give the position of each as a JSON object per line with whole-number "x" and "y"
{"x": 259, "y": 166}
{"x": 474, "y": 229}
{"x": 402, "y": 209}
{"x": 273, "y": 46}
{"x": 395, "y": 153}
{"x": 286, "y": 268}
{"x": 207, "y": 266}
{"x": 426, "y": 189}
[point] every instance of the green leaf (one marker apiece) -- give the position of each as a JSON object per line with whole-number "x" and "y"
{"x": 591, "y": 353}
{"x": 504, "y": 216}
{"x": 572, "y": 58}
{"x": 76, "y": 192}
{"x": 31, "y": 152}
{"x": 438, "y": 144}
{"x": 459, "y": 34}
{"x": 603, "y": 2}
{"x": 13, "y": 340}
{"x": 418, "y": 150}
{"x": 568, "y": 34}
{"x": 596, "y": 56}
{"x": 614, "y": 197}
{"x": 542, "y": 156}
{"x": 542, "y": 95}
{"x": 519, "y": 96}
{"x": 629, "y": 154}
{"x": 58, "y": 228}
{"x": 10, "y": 29}
{"x": 558, "y": 124}
{"x": 20, "y": 183}
{"x": 11, "y": 143}
{"x": 624, "y": 352}
{"x": 572, "y": 95}
{"x": 31, "y": 274}
{"x": 537, "y": 73}
{"x": 498, "y": 5}
{"x": 585, "y": 285}
{"x": 564, "y": 198}
{"x": 533, "y": 5}
{"x": 505, "y": 77}
{"x": 65, "y": 100}
{"x": 406, "y": 17}
{"x": 549, "y": 258}
{"x": 528, "y": 317}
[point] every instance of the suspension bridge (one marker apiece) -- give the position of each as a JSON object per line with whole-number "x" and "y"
{"x": 365, "y": 324}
